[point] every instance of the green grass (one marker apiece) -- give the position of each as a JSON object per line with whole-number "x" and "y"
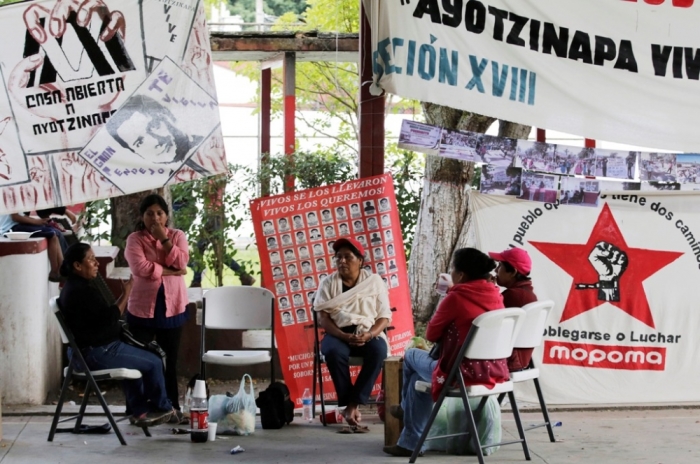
{"x": 249, "y": 256}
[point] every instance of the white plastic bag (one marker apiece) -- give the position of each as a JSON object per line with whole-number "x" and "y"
{"x": 235, "y": 415}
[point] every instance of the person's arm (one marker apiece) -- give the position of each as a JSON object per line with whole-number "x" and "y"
{"x": 73, "y": 219}
{"x": 331, "y": 328}
{"x": 22, "y": 219}
{"x": 138, "y": 263}
{"x": 177, "y": 252}
{"x": 376, "y": 330}
{"x": 442, "y": 318}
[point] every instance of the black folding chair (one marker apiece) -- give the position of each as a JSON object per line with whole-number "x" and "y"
{"x": 77, "y": 362}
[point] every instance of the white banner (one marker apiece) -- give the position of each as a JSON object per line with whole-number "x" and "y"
{"x": 103, "y": 98}
{"x": 622, "y": 71}
{"x": 623, "y": 276}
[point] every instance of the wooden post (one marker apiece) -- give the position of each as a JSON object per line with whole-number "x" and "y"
{"x": 393, "y": 380}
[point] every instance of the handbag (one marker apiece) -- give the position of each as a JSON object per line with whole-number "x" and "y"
{"x": 127, "y": 337}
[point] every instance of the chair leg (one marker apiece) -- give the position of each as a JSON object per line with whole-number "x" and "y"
{"x": 93, "y": 384}
{"x": 471, "y": 424}
{"x": 320, "y": 389}
{"x": 83, "y": 406}
{"x": 426, "y": 430}
{"x": 545, "y": 413}
{"x": 313, "y": 389}
{"x": 59, "y": 406}
{"x": 519, "y": 424}
{"x": 500, "y": 398}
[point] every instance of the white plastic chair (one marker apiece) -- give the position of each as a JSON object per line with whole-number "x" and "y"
{"x": 237, "y": 308}
{"x": 492, "y": 336}
{"x": 531, "y": 336}
{"x": 91, "y": 377}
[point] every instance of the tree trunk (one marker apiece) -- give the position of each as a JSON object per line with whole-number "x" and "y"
{"x": 444, "y": 220}
{"x": 125, "y": 215}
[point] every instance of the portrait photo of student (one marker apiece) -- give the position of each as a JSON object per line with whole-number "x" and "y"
{"x": 322, "y": 276}
{"x": 386, "y": 282}
{"x": 318, "y": 249}
{"x": 271, "y": 243}
{"x": 301, "y": 315}
{"x": 321, "y": 265}
{"x": 363, "y": 240}
{"x": 394, "y": 280}
{"x": 298, "y": 300}
{"x": 310, "y": 297}
{"x": 329, "y": 246}
{"x": 297, "y": 221}
{"x": 340, "y": 214}
{"x": 283, "y": 224}
{"x": 289, "y": 255}
{"x": 378, "y": 253}
{"x": 355, "y": 211}
{"x": 306, "y": 267}
{"x": 268, "y": 228}
{"x": 392, "y": 265}
{"x": 372, "y": 223}
{"x": 375, "y": 239}
{"x": 311, "y": 219}
{"x": 390, "y": 250}
{"x": 384, "y": 205}
{"x": 357, "y": 226}
{"x": 367, "y": 268}
{"x": 292, "y": 269}
{"x": 369, "y": 207}
{"x": 294, "y": 285}
{"x": 304, "y": 252}
{"x": 326, "y": 216}
{"x": 343, "y": 229}
{"x": 309, "y": 282}
{"x": 275, "y": 257}
{"x": 329, "y": 232}
{"x": 388, "y": 235}
{"x": 381, "y": 269}
{"x": 300, "y": 237}
{"x": 314, "y": 234}
{"x": 277, "y": 273}
{"x": 281, "y": 288}
{"x": 287, "y": 240}
{"x": 287, "y": 318}
{"x": 284, "y": 302}
{"x": 386, "y": 221}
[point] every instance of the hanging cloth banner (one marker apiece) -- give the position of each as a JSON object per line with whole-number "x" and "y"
{"x": 623, "y": 277}
{"x": 104, "y": 98}
{"x": 295, "y": 233}
{"x": 622, "y": 71}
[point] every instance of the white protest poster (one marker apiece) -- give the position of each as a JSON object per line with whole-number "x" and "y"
{"x": 67, "y": 67}
{"x": 623, "y": 277}
{"x": 419, "y": 137}
{"x": 624, "y": 71}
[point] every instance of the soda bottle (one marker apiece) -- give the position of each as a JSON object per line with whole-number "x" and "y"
{"x": 306, "y": 402}
{"x": 199, "y": 413}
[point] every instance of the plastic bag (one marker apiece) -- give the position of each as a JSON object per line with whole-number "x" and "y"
{"x": 453, "y": 419}
{"x": 234, "y": 414}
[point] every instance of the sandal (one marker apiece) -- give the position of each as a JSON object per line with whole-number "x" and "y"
{"x": 360, "y": 429}
{"x": 346, "y": 430}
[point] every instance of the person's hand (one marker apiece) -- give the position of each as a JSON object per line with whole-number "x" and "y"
{"x": 40, "y": 221}
{"x": 491, "y": 278}
{"x": 359, "y": 340}
{"x": 127, "y": 285}
{"x": 158, "y": 232}
{"x": 57, "y": 18}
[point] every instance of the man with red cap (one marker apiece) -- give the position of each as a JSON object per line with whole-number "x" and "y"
{"x": 513, "y": 273}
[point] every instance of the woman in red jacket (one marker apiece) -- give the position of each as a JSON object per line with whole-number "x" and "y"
{"x": 471, "y": 296}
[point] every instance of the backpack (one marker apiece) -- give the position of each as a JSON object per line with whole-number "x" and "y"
{"x": 276, "y": 408}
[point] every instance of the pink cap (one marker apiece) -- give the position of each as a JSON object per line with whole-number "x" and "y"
{"x": 516, "y": 257}
{"x": 349, "y": 242}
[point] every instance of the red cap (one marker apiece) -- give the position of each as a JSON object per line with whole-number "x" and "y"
{"x": 516, "y": 257}
{"x": 348, "y": 242}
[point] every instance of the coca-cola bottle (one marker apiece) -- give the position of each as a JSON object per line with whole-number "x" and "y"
{"x": 199, "y": 413}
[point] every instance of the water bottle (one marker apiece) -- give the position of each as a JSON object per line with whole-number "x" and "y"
{"x": 307, "y": 402}
{"x": 199, "y": 413}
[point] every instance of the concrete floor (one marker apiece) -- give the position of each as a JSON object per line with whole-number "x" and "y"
{"x": 608, "y": 436}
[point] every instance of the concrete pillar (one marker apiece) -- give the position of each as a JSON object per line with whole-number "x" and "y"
{"x": 30, "y": 343}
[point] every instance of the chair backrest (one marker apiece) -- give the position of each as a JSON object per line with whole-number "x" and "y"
{"x": 239, "y": 307}
{"x": 53, "y": 304}
{"x": 532, "y": 331}
{"x": 493, "y": 334}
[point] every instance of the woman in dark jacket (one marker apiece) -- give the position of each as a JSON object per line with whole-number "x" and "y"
{"x": 95, "y": 325}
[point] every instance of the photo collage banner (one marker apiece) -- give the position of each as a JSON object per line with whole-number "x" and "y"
{"x": 547, "y": 172}
{"x": 295, "y": 233}
{"x": 104, "y": 98}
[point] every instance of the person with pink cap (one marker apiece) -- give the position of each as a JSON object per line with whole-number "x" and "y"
{"x": 513, "y": 271}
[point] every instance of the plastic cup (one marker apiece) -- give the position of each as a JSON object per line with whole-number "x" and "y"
{"x": 443, "y": 284}
{"x": 212, "y": 431}
{"x": 332, "y": 417}
{"x": 200, "y": 389}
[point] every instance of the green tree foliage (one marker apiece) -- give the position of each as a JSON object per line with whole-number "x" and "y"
{"x": 246, "y": 8}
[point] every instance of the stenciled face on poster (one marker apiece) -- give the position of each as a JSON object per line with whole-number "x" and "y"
{"x": 329, "y": 213}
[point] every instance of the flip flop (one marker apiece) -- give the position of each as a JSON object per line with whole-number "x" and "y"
{"x": 360, "y": 429}
{"x": 346, "y": 430}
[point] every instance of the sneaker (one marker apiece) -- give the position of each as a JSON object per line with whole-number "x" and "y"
{"x": 396, "y": 411}
{"x": 400, "y": 451}
{"x": 152, "y": 419}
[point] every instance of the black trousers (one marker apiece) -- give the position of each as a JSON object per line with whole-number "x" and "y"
{"x": 169, "y": 340}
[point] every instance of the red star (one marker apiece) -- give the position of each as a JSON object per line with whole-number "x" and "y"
{"x": 573, "y": 259}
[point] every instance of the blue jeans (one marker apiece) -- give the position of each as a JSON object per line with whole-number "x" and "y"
{"x": 337, "y": 354}
{"x": 144, "y": 394}
{"x": 43, "y": 231}
{"x": 417, "y": 406}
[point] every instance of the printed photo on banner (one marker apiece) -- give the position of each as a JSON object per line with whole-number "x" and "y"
{"x": 419, "y": 137}
{"x": 688, "y": 168}
{"x": 612, "y": 186}
{"x": 613, "y": 164}
{"x": 499, "y": 180}
{"x": 659, "y": 167}
{"x": 539, "y": 187}
{"x": 576, "y": 191}
{"x": 155, "y": 132}
{"x": 653, "y": 185}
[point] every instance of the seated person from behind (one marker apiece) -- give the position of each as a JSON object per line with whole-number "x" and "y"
{"x": 514, "y": 266}
{"x": 471, "y": 296}
{"x": 39, "y": 228}
{"x": 353, "y": 309}
{"x": 95, "y": 325}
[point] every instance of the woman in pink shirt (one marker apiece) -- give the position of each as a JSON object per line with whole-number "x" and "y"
{"x": 158, "y": 257}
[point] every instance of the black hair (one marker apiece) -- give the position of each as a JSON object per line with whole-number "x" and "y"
{"x": 510, "y": 269}
{"x": 473, "y": 263}
{"x": 354, "y": 251}
{"x": 147, "y": 202}
{"x": 74, "y": 254}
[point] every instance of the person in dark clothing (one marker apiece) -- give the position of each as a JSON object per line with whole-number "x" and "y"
{"x": 96, "y": 327}
{"x": 513, "y": 273}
